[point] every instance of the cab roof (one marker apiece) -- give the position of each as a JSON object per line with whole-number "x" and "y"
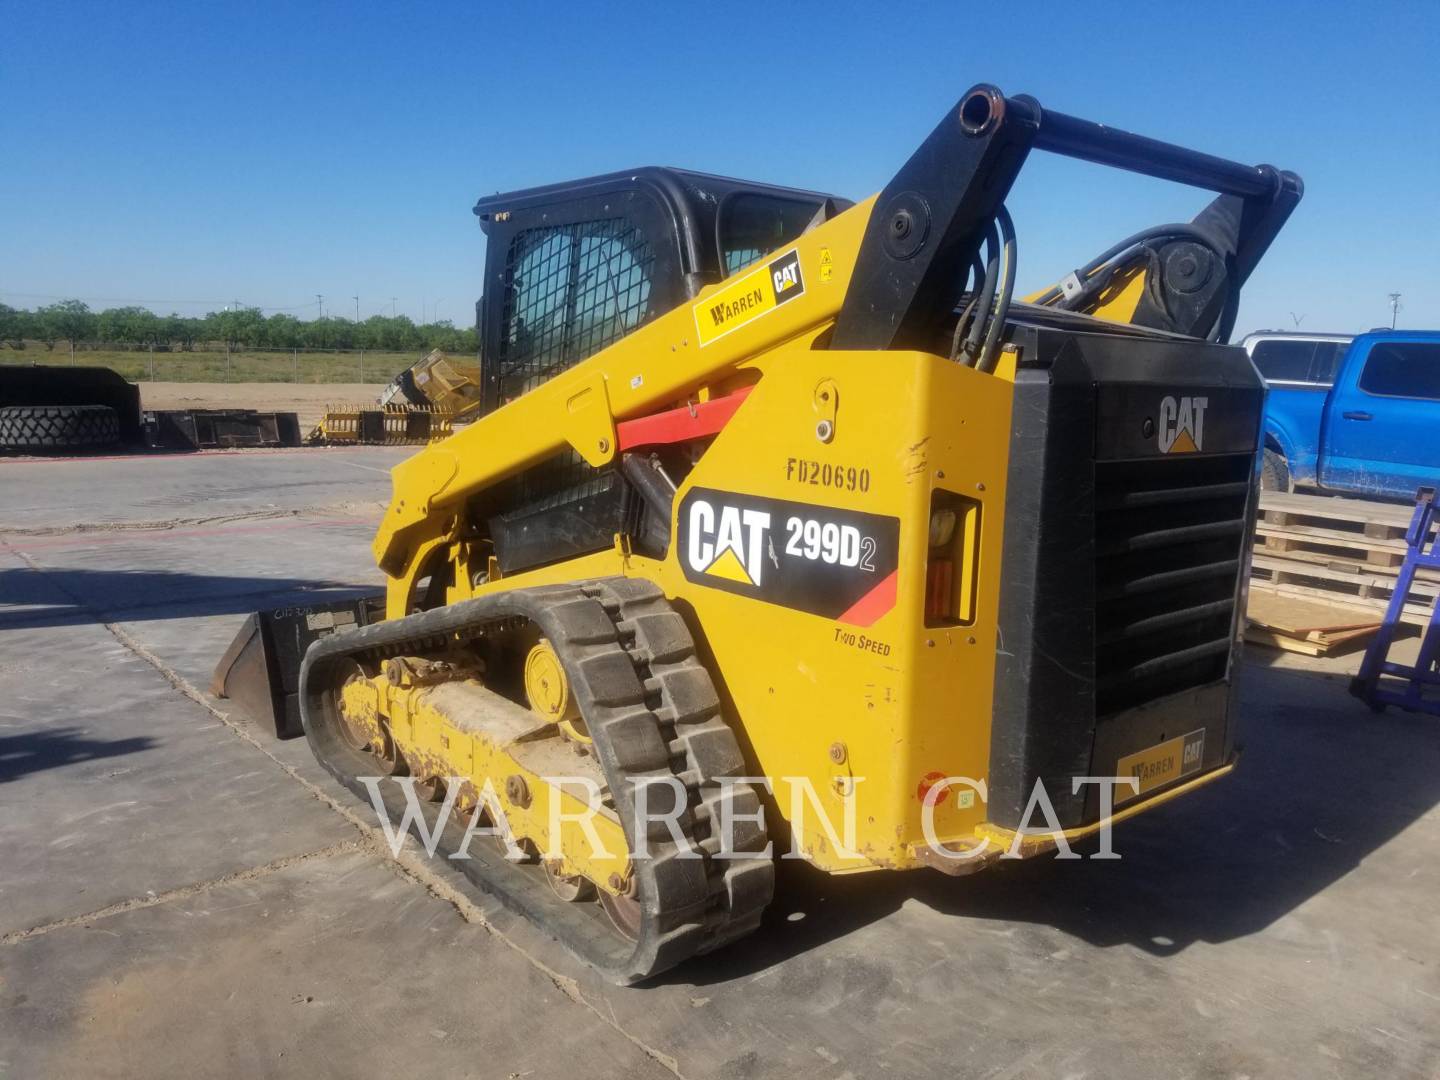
{"x": 688, "y": 191}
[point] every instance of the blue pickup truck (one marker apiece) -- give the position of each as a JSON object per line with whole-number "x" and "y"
{"x": 1355, "y": 415}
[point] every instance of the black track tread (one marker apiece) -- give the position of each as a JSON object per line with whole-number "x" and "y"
{"x": 58, "y": 427}
{"x": 703, "y": 749}
{"x": 652, "y": 709}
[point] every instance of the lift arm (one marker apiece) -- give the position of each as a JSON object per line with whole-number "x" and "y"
{"x": 933, "y": 216}
{"x": 896, "y": 268}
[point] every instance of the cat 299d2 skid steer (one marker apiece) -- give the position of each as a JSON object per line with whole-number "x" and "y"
{"x": 780, "y": 509}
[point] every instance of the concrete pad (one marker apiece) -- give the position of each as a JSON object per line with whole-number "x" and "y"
{"x": 1279, "y": 923}
{"x": 153, "y": 575}
{"x": 332, "y": 967}
{"x": 183, "y": 594}
{"x": 27, "y": 597}
{"x": 1267, "y": 926}
{"x": 1261, "y": 928}
{"x": 113, "y": 785}
{"x": 63, "y": 492}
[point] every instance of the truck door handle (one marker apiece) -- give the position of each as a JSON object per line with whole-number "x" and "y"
{"x": 1357, "y": 416}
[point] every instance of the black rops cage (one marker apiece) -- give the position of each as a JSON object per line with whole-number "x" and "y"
{"x": 572, "y": 268}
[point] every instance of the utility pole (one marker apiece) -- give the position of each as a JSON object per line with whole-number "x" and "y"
{"x": 392, "y": 307}
{"x": 1395, "y": 307}
{"x": 357, "y": 334}
{"x": 319, "y": 305}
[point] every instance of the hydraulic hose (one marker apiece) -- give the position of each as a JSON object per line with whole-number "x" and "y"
{"x": 975, "y": 337}
{"x": 958, "y": 341}
{"x": 1084, "y": 273}
{"x": 990, "y": 354}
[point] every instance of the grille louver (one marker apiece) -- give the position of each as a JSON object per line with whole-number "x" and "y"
{"x": 1169, "y": 535}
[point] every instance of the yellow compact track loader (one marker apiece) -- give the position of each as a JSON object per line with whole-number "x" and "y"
{"x": 785, "y": 527}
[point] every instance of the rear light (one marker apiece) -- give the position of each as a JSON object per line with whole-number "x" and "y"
{"x": 939, "y": 588}
{"x": 951, "y": 570}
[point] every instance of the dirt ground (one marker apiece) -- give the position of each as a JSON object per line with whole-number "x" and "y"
{"x": 309, "y": 401}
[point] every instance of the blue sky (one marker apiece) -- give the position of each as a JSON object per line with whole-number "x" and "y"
{"x": 266, "y": 153}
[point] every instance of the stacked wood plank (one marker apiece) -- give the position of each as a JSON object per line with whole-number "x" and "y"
{"x": 1343, "y": 552}
{"x": 1313, "y": 627}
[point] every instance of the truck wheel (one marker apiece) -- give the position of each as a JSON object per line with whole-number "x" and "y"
{"x": 1274, "y": 472}
{"x": 58, "y": 427}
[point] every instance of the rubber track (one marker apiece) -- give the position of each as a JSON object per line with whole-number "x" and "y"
{"x": 48, "y": 427}
{"x": 652, "y": 710}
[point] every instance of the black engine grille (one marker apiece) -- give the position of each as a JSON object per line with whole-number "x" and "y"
{"x": 1169, "y": 536}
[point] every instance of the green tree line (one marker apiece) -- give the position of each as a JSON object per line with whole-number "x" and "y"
{"x": 72, "y": 321}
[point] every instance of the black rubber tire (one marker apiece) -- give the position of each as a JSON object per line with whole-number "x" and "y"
{"x": 1274, "y": 472}
{"x": 58, "y": 427}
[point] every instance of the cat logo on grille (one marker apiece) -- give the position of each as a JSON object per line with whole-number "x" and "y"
{"x": 1182, "y": 425}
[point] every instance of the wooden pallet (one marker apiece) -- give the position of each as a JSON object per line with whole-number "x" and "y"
{"x": 1346, "y": 552}
{"x": 1355, "y": 529}
{"x": 1350, "y": 568}
{"x": 1376, "y": 519}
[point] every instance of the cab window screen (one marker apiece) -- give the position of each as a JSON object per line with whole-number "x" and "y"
{"x": 1408, "y": 369}
{"x": 571, "y": 290}
{"x": 752, "y": 226}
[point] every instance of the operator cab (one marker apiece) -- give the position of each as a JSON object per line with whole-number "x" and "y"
{"x": 571, "y": 268}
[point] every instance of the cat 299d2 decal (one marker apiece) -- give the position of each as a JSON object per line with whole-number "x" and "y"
{"x": 838, "y": 564}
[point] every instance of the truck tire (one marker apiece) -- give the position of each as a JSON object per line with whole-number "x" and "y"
{"x": 58, "y": 427}
{"x": 1274, "y": 472}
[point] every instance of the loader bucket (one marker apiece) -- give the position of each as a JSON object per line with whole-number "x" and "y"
{"x": 209, "y": 429}
{"x": 260, "y": 671}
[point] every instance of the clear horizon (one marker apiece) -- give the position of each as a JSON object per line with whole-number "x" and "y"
{"x": 265, "y": 156}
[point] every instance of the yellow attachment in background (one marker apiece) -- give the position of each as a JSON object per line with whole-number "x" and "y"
{"x": 388, "y": 425}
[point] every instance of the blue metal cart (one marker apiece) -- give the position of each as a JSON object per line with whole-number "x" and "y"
{"x": 1421, "y": 551}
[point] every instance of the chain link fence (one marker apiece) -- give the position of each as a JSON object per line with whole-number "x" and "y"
{"x": 215, "y": 362}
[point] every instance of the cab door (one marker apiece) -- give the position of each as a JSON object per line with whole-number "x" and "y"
{"x": 1382, "y": 431}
